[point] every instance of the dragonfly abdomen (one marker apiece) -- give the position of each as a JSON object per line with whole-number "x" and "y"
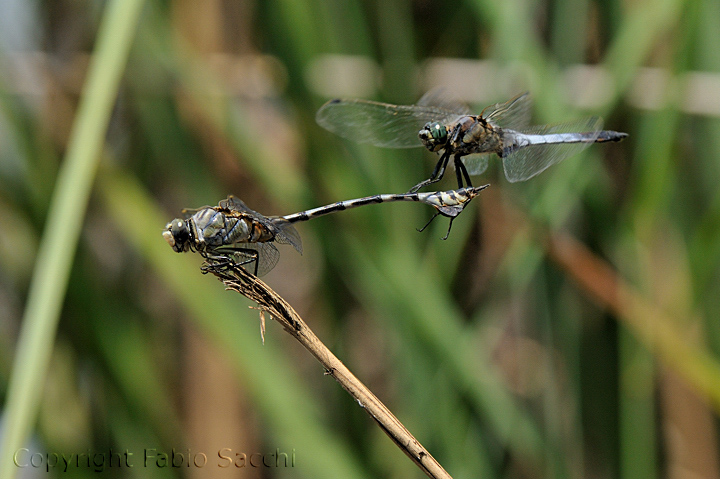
{"x": 554, "y": 138}
{"x": 517, "y": 140}
{"x": 524, "y": 139}
{"x": 609, "y": 135}
{"x": 451, "y": 197}
{"x": 343, "y": 205}
{"x": 441, "y": 200}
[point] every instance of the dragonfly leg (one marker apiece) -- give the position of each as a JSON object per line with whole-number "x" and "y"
{"x": 251, "y": 255}
{"x": 437, "y": 173}
{"x": 449, "y": 228}
{"x": 216, "y": 263}
{"x": 223, "y": 262}
{"x": 461, "y": 172}
{"x": 420, "y": 230}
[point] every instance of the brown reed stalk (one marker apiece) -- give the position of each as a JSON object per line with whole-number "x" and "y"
{"x": 237, "y": 279}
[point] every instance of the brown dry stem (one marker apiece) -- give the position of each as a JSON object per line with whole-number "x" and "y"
{"x": 237, "y": 279}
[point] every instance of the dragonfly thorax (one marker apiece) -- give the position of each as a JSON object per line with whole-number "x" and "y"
{"x": 178, "y": 235}
{"x": 434, "y": 136}
{"x": 245, "y": 229}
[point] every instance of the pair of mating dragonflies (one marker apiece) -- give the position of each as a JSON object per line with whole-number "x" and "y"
{"x": 232, "y": 233}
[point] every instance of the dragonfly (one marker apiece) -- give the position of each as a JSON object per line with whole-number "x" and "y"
{"x": 446, "y": 127}
{"x": 233, "y": 234}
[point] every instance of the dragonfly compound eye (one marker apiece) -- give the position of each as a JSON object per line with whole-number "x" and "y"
{"x": 439, "y": 133}
{"x": 433, "y": 136}
{"x": 177, "y": 235}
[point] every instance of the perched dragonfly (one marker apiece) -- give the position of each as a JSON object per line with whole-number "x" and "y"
{"x": 446, "y": 127}
{"x": 232, "y": 233}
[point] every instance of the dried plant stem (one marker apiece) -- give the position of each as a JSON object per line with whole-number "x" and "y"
{"x": 237, "y": 279}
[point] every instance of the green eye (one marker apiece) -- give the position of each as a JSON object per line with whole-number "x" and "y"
{"x": 438, "y": 132}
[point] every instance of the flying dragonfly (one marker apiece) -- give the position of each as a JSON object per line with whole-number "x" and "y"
{"x": 446, "y": 127}
{"x": 231, "y": 233}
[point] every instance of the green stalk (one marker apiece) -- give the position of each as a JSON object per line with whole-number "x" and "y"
{"x": 62, "y": 228}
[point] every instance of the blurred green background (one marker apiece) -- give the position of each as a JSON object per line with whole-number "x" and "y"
{"x": 567, "y": 328}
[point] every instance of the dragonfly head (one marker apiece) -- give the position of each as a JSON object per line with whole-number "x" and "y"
{"x": 434, "y": 136}
{"x": 178, "y": 235}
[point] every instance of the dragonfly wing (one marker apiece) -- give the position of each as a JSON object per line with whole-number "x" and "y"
{"x": 379, "y": 124}
{"x": 189, "y": 212}
{"x": 476, "y": 164}
{"x": 235, "y": 204}
{"x": 514, "y": 114}
{"x": 285, "y": 233}
{"x": 267, "y": 256}
{"x": 528, "y": 161}
{"x": 283, "y": 230}
{"x": 439, "y": 97}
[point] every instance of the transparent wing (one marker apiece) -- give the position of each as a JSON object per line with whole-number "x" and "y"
{"x": 231, "y": 203}
{"x": 531, "y": 160}
{"x": 189, "y": 212}
{"x": 234, "y": 204}
{"x": 439, "y": 97}
{"x": 380, "y": 124}
{"x": 267, "y": 257}
{"x": 514, "y": 114}
{"x": 476, "y": 164}
{"x": 285, "y": 233}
